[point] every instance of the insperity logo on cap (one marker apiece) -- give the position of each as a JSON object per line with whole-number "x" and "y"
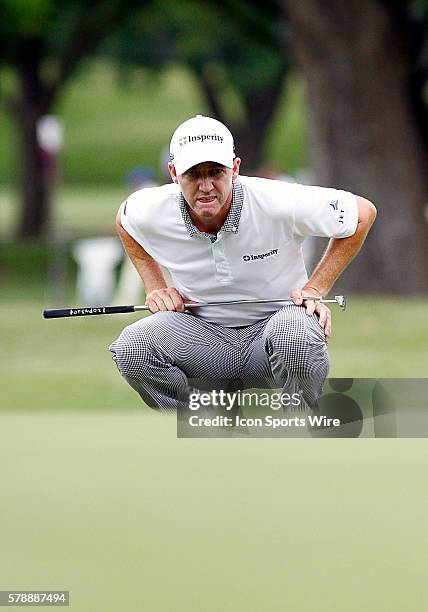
{"x": 201, "y": 139}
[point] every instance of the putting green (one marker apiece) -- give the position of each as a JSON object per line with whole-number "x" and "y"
{"x": 116, "y": 509}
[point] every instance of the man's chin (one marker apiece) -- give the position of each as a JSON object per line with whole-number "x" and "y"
{"x": 208, "y": 210}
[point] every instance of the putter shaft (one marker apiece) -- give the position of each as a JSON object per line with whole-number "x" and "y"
{"x": 103, "y": 310}
{"x": 338, "y": 299}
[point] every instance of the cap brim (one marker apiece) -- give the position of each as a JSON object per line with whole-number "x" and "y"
{"x": 198, "y": 157}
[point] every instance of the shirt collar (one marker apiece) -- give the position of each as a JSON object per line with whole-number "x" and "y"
{"x": 231, "y": 223}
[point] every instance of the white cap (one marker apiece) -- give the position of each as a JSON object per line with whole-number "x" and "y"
{"x": 201, "y": 139}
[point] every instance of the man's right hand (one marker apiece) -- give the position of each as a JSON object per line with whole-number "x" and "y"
{"x": 165, "y": 299}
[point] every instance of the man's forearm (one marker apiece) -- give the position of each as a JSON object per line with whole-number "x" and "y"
{"x": 341, "y": 251}
{"x": 337, "y": 256}
{"x": 150, "y": 273}
{"x": 148, "y": 269}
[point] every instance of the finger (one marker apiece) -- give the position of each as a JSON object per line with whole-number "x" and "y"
{"x": 167, "y": 300}
{"x": 325, "y": 319}
{"x": 151, "y": 303}
{"x": 310, "y": 306}
{"x": 177, "y": 299}
{"x": 327, "y": 327}
{"x": 158, "y": 300}
{"x": 296, "y": 296}
{"x": 323, "y": 313}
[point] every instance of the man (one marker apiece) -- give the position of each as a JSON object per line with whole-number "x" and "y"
{"x": 225, "y": 237}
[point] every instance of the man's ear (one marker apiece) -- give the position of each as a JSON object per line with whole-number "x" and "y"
{"x": 235, "y": 169}
{"x": 172, "y": 172}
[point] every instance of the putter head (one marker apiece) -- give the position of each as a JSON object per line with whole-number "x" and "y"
{"x": 341, "y": 300}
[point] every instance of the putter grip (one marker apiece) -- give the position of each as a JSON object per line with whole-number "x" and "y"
{"x": 85, "y": 312}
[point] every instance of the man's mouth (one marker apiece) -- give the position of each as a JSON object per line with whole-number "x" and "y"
{"x": 206, "y": 199}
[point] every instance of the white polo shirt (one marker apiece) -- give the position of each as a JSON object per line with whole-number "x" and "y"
{"x": 257, "y": 254}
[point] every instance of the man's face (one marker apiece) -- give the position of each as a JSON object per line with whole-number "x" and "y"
{"x": 207, "y": 188}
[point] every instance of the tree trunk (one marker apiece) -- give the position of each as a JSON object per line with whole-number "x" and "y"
{"x": 364, "y": 137}
{"x": 29, "y": 105}
{"x": 35, "y": 194}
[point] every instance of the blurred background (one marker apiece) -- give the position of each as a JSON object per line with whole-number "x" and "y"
{"x": 322, "y": 92}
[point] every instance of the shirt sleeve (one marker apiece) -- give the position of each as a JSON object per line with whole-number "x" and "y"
{"x": 325, "y": 212}
{"x": 130, "y": 214}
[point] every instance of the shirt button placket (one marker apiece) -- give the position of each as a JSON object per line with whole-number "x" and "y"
{"x": 223, "y": 271}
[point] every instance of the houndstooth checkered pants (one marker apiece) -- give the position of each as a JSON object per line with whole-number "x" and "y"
{"x": 161, "y": 356}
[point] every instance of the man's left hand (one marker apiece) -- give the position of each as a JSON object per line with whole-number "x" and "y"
{"x": 323, "y": 312}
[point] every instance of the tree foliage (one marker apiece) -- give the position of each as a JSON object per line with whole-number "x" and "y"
{"x": 43, "y": 42}
{"x": 235, "y": 49}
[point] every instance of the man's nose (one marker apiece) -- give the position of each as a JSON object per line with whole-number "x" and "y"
{"x": 205, "y": 183}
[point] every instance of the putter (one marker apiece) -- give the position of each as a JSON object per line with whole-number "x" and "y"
{"x": 57, "y": 313}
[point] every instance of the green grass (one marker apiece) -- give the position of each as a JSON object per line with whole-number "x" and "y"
{"x": 117, "y": 510}
{"x": 99, "y": 497}
{"x": 113, "y": 128}
{"x": 286, "y": 147}
{"x": 79, "y": 210}
{"x": 59, "y": 365}
{"x": 381, "y": 336}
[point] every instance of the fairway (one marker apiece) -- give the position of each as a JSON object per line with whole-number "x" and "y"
{"x": 117, "y": 510}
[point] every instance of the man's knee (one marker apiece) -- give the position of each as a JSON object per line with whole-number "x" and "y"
{"x": 285, "y": 332}
{"x": 139, "y": 346}
{"x": 295, "y": 339}
{"x": 131, "y": 351}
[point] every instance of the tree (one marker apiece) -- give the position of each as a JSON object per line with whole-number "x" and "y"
{"x": 235, "y": 49}
{"x": 44, "y": 42}
{"x": 358, "y": 59}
